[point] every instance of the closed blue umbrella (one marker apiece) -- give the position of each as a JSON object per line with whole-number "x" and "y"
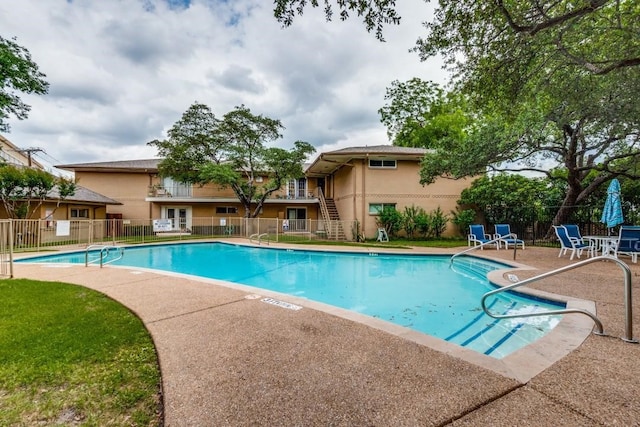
{"x": 612, "y": 213}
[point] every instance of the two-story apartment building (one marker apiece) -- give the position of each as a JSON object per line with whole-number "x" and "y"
{"x": 361, "y": 181}
{"x": 348, "y": 184}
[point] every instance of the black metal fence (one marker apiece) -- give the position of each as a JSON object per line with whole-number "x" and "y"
{"x": 535, "y": 224}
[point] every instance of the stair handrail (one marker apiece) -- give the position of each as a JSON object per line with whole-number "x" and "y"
{"x": 325, "y": 212}
{"x": 323, "y": 205}
{"x": 600, "y": 330}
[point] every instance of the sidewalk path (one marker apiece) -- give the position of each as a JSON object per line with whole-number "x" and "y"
{"x": 229, "y": 359}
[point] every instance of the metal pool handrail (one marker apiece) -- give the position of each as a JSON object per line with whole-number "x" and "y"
{"x": 473, "y": 248}
{"x": 259, "y": 237}
{"x": 104, "y": 252}
{"x": 627, "y": 297}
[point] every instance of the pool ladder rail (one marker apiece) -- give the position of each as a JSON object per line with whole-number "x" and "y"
{"x": 259, "y": 237}
{"x": 628, "y": 335}
{"x": 104, "y": 251}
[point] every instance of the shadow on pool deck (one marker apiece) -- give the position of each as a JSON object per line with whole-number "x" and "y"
{"x": 229, "y": 359}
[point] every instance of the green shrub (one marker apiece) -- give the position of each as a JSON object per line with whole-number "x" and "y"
{"x": 389, "y": 219}
{"x": 463, "y": 219}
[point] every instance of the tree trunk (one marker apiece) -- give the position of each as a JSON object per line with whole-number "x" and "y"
{"x": 565, "y": 211}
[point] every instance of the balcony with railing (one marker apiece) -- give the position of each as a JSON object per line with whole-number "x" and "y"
{"x": 183, "y": 191}
{"x": 163, "y": 191}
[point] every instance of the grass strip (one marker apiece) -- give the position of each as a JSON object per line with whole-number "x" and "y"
{"x": 73, "y": 356}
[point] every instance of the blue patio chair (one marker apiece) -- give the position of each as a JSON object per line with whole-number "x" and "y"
{"x": 628, "y": 242}
{"x": 573, "y": 231}
{"x": 567, "y": 242}
{"x": 503, "y": 232}
{"x": 477, "y": 236}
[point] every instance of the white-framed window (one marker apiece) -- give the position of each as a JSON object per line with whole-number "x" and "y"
{"x": 376, "y": 208}
{"x": 297, "y": 188}
{"x": 382, "y": 164}
{"x": 79, "y": 213}
{"x": 175, "y": 188}
{"x": 296, "y": 220}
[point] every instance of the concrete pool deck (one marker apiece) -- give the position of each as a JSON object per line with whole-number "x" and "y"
{"x": 227, "y": 358}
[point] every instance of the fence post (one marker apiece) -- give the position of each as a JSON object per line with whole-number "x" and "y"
{"x": 38, "y": 236}
{"x": 10, "y": 248}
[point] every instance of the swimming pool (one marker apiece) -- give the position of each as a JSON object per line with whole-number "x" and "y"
{"x": 418, "y": 292}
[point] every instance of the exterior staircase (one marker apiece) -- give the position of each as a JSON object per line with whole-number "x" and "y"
{"x": 330, "y": 215}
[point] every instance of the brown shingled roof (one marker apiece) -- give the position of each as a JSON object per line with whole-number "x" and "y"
{"x": 328, "y": 162}
{"x": 143, "y": 165}
{"x": 379, "y": 149}
{"x": 83, "y": 195}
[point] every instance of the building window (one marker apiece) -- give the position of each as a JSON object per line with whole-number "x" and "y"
{"x": 297, "y": 188}
{"x": 79, "y": 213}
{"x": 385, "y": 164}
{"x": 376, "y": 208}
{"x": 175, "y": 189}
{"x": 226, "y": 210}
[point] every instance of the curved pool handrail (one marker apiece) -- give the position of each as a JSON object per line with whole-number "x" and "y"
{"x": 104, "y": 252}
{"x": 600, "y": 330}
{"x": 266, "y": 235}
{"x": 473, "y": 248}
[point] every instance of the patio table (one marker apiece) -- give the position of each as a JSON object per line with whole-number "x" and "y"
{"x": 606, "y": 244}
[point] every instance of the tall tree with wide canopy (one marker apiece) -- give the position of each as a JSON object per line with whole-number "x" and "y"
{"x": 551, "y": 83}
{"x": 18, "y": 73}
{"x": 556, "y": 83}
{"x": 231, "y": 152}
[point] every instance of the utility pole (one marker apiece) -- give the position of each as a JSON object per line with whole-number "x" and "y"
{"x": 29, "y": 151}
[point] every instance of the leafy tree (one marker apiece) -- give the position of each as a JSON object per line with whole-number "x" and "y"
{"x": 374, "y": 14}
{"x": 230, "y": 152}
{"x": 597, "y": 35}
{"x": 23, "y": 190}
{"x": 551, "y": 84}
{"x": 18, "y": 73}
{"x": 589, "y": 36}
{"x": 505, "y": 198}
{"x": 555, "y": 83}
{"x": 421, "y": 114}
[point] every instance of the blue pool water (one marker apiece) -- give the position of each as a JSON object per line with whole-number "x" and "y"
{"x": 419, "y": 292}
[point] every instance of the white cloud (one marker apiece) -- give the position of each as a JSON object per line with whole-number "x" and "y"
{"x": 123, "y": 71}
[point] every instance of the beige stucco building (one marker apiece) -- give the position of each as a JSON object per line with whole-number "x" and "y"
{"x": 362, "y": 180}
{"x": 348, "y": 184}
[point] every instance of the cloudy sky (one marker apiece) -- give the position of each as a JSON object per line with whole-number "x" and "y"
{"x": 121, "y": 72}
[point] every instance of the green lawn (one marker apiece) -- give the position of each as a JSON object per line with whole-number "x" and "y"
{"x": 72, "y": 356}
